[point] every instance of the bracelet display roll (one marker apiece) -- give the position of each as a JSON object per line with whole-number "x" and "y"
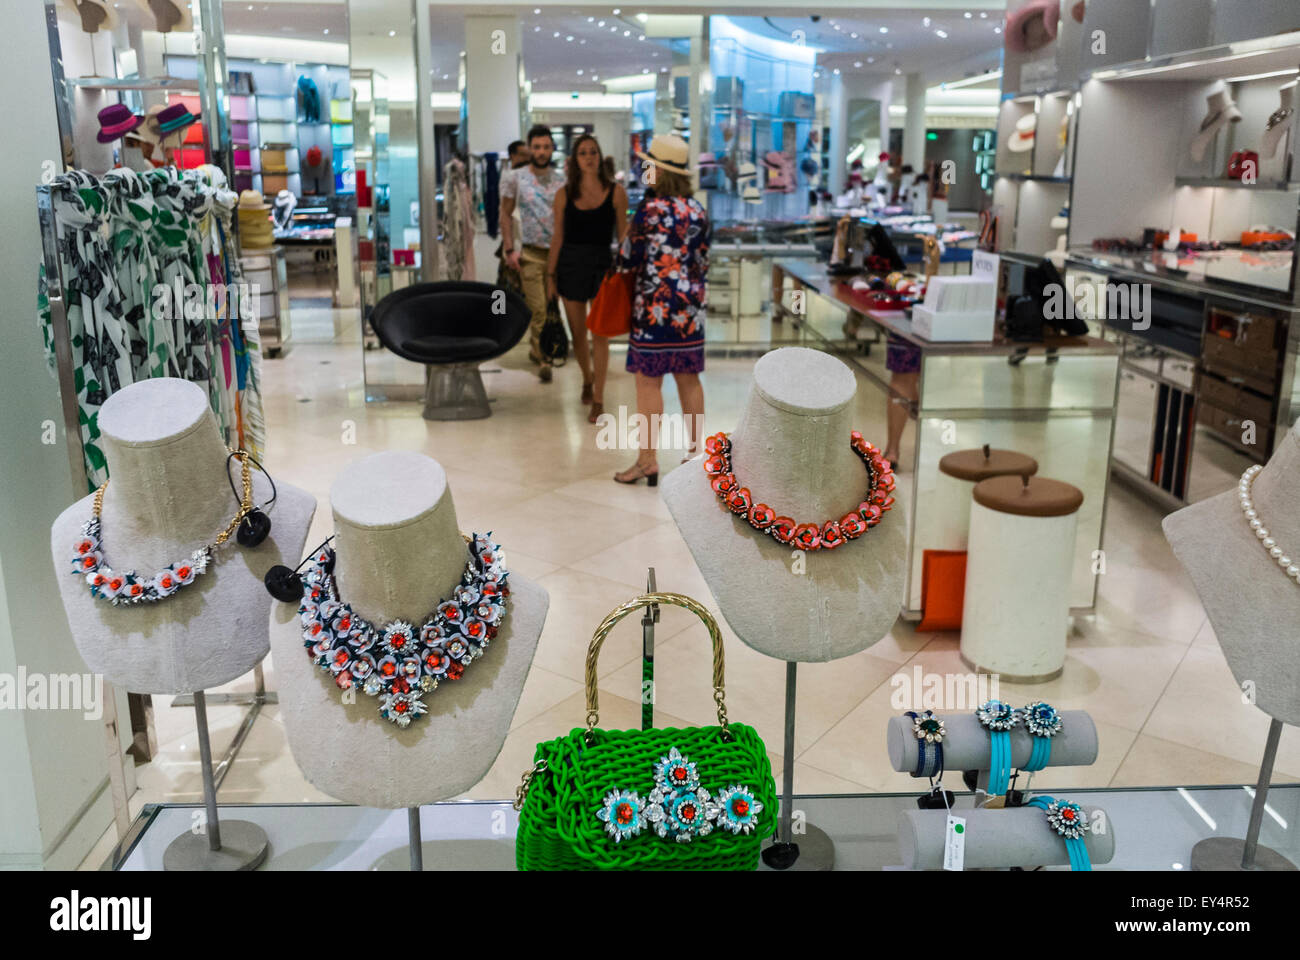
{"x": 998, "y": 718}
{"x": 1068, "y": 820}
{"x": 1043, "y": 722}
{"x": 929, "y": 733}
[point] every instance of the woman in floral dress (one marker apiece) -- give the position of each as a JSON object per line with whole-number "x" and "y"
{"x": 667, "y": 250}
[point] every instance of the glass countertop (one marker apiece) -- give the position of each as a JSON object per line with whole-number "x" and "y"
{"x": 1155, "y": 829}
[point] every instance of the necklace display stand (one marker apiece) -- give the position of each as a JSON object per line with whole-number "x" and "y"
{"x": 1253, "y": 605}
{"x": 399, "y": 552}
{"x": 791, "y": 449}
{"x": 169, "y": 494}
{"x": 814, "y": 851}
{"x": 235, "y": 845}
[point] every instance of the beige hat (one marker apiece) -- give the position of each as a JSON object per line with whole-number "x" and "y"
{"x": 151, "y": 132}
{"x": 252, "y": 200}
{"x": 669, "y": 152}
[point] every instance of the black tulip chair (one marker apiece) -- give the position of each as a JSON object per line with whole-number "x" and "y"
{"x": 451, "y": 326}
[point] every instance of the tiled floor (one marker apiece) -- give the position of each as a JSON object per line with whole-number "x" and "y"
{"x": 1146, "y": 665}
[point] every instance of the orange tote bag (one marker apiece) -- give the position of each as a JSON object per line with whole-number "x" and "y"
{"x": 611, "y": 310}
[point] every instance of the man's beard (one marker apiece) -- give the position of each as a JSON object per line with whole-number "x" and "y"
{"x": 540, "y": 166}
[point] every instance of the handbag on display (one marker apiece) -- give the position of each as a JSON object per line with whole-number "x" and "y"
{"x": 553, "y": 340}
{"x": 611, "y": 309}
{"x": 678, "y": 798}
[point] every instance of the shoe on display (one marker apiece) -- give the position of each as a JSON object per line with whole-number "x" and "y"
{"x": 1279, "y": 121}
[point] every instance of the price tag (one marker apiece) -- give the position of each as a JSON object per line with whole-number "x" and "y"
{"x": 954, "y": 846}
{"x": 984, "y": 265}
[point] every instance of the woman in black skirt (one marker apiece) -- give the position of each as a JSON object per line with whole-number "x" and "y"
{"x": 590, "y": 215}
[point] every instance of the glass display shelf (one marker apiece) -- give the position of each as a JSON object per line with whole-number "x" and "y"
{"x": 1155, "y": 829}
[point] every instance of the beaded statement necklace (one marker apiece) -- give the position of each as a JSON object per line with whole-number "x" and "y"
{"x": 89, "y": 561}
{"x": 782, "y": 529}
{"x": 398, "y": 662}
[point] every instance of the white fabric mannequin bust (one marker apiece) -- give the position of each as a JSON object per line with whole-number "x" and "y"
{"x": 1252, "y": 604}
{"x": 1219, "y": 113}
{"x": 169, "y": 496}
{"x": 791, "y": 449}
{"x": 1286, "y": 113}
{"x": 399, "y": 553}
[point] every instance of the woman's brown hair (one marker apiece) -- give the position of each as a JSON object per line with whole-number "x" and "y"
{"x": 573, "y": 174}
{"x": 667, "y": 183}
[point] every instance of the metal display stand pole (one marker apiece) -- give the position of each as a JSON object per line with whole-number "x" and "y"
{"x": 416, "y": 841}
{"x": 648, "y": 621}
{"x": 815, "y": 850}
{"x": 244, "y": 845}
{"x": 254, "y": 701}
{"x": 1229, "y": 853}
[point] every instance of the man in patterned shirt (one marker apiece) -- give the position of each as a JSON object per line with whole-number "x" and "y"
{"x": 532, "y": 190}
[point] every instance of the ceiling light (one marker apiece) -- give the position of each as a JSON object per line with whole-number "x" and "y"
{"x": 899, "y": 71}
{"x": 983, "y": 15}
{"x": 853, "y": 36}
{"x": 817, "y": 74}
{"x": 326, "y": 30}
{"x": 997, "y": 29}
{"x": 925, "y": 22}
{"x": 642, "y": 37}
{"x": 537, "y": 29}
{"x": 591, "y": 19}
{"x": 967, "y": 14}
{"x": 617, "y": 11}
{"x": 391, "y": 33}
{"x": 556, "y": 33}
{"x": 601, "y": 23}
{"x": 537, "y": 9}
{"x": 579, "y": 72}
{"x": 627, "y": 33}
{"x": 645, "y": 69}
{"x": 836, "y": 71}
{"x": 941, "y": 34}
{"x": 884, "y": 29}
{"x": 971, "y": 81}
{"x": 613, "y": 29}
{"x": 871, "y": 59}
{"x": 857, "y": 64}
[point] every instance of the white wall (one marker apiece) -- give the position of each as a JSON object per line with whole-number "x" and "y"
{"x": 492, "y": 82}
{"x": 53, "y": 798}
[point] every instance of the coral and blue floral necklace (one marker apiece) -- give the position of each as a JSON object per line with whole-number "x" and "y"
{"x": 398, "y": 662}
{"x": 88, "y": 558}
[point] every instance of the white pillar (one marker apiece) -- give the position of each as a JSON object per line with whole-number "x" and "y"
{"x": 492, "y": 54}
{"x": 54, "y": 797}
{"x": 837, "y": 108}
{"x": 914, "y": 127}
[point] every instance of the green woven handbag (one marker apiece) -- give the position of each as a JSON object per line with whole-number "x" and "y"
{"x": 691, "y": 798}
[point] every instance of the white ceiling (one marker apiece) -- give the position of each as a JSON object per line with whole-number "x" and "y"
{"x": 617, "y": 47}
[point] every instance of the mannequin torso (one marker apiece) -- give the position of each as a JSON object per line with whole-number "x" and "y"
{"x": 791, "y": 449}
{"x": 1252, "y": 604}
{"x": 399, "y": 553}
{"x": 169, "y": 495}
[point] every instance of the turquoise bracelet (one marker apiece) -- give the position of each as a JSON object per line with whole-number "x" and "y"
{"x": 1043, "y": 722}
{"x": 998, "y": 718}
{"x": 1068, "y": 820}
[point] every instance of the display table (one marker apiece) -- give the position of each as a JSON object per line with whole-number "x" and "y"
{"x": 1053, "y": 401}
{"x": 1155, "y": 829}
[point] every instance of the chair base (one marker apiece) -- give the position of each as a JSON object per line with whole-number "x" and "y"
{"x": 454, "y": 391}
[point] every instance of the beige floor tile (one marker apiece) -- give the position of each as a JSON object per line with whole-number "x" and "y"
{"x": 563, "y": 530}
{"x": 579, "y": 602}
{"x": 1155, "y": 762}
{"x": 1205, "y": 709}
{"x": 542, "y": 690}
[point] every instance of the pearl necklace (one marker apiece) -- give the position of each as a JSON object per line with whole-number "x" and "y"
{"x": 1244, "y": 486}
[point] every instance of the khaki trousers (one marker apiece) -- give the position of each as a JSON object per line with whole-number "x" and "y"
{"x": 532, "y": 274}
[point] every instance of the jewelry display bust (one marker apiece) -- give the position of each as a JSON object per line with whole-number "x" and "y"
{"x": 168, "y": 496}
{"x": 399, "y": 554}
{"x": 1252, "y": 602}
{"x": 1220, "y": 111}
{"x": 791, "y": 448}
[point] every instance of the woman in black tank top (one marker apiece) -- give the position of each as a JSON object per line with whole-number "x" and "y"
{"x": 590, "y": 217}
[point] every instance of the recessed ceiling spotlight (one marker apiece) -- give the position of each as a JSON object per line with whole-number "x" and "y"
{"x": 601, "y": 23}
{"x": 853, "y": 36}
{"x": 613, "y": 29}
{"x": 871, "y": 59}
{"x": 591, "y": 19}
{"x": 857, "y": 64}
{"x": 898, "y": 70}
{"x": 537, "y": 29}
{"x": 537, "y": 9}
{"x": 941, "y": 34}
{"x": 836, "y": 71}
{"x": 817, "y": 74}
{"x": 326, "y": 31}
{"x": 642, "y": 37}
{"x": 983, "y": 15}
{"x": 884, "y": 29}
{"x": 643, "y": 17}
{"x": 556, "y": 33}
{"x": 617, "y": 11}
{"x": 392, "y": 33}
{"x": 627, "y": 33}
{"x": 925, "y": 22}
{"x": 997, "y": 29}
{"x": 967, "y": 14}
{"x": 579, "y": 71}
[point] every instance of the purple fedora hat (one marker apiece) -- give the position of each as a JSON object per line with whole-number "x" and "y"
{"x": 175, "y": 117}
{"x": 116, "y": 120}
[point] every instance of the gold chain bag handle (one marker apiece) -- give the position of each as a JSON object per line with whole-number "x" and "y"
{"x": 645, "y": 600}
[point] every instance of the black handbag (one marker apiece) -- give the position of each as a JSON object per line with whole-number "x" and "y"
{"x": 553, "y": 341}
